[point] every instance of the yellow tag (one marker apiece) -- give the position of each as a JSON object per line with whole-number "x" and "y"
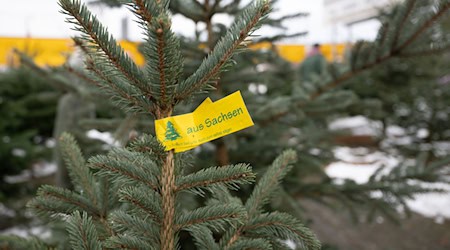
{"x": 203, "y": 107}
{"x": 208, "y": 122}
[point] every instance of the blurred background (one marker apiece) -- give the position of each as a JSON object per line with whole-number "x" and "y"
{"x": 391, "y": 116}
{"x": 331, "y": 23}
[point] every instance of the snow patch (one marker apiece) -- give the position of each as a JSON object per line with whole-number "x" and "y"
{"x": 395, "y": 131}
{"x": 23, "y": 231}
{"x": 423, "y": 133}
{"x": 363, "y": 156}
{"x": 359, "y": 125}
{"x": 291, "y": 244}
{"x": 431, "y": 205}
{"x": 103, "y": 136}
{"x": 359, "y": 173}
{"x": 44, "y": 169}
{"x": 38, "y": 170}
{"x": 6, "y": 211}
{"x": 349, "y": 122}
{"x": 352, "y": 166}
{"x": 50, "y": 143}
{"x": 24, "y": 176}
{"x": 18, "y": 152}
{"x": 257, "y": 88}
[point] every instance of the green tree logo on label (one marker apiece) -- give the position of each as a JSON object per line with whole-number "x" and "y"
{"x": 171, "y": 133}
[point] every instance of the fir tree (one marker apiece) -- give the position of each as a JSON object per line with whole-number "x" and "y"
{"x": 296, "y": 113}
{"x": 27, "y": 108}
{"x": 412, "y": 29}
{"x": 153, "y": 182}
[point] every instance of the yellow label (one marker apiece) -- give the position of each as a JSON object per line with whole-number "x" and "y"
{"x": 203, "y": 107}
{"x": 208, "y": 122}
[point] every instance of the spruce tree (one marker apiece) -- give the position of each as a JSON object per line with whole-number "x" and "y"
{"x": 133, "y": 197}
{"x": 24, "y": 100}
{"x": 296, "y": 114}
{"x": 410, "y": 31}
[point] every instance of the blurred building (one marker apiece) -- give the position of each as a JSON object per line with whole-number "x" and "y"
{"x": 349, "y": 12}
{"x": 356, "y": 17}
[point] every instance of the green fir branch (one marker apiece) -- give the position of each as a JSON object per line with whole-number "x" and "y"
{"x": 79, "y": 173}
{"x": 82, "y": 76}
{"x": 248, "y": 244}
{"x": 385, "y": 33}
{"x": 283, "y": 226}
{"x": 244, "y": 25}
{"x": 443, "y": 9}
{"x": 203, "y": 238}
{"x": 161, "y": 48}
{"x": 145, "y": 201}
{"x": 145, "y": 11}
{"x": 381, "y": 39}
{"x": 331, "y": 102}
{"x": 125, "y": 96}
{"x": 98, "y": 37}
{"x": 129, "y": 242}
{"x": 108, "y": 196}
{"x": 164, "y": 61}
{"x": 438, "y": 50}
{"x": 58, "y": 83}
{"x": 17, "y": 242}
{"x": 138, "y": 226}
{"x": 214, "y": 217}
{"x": 188, "y": 8}
{"x": 261, "y": 195}
{"x": 220, "y": 194}
{"x": 405, "y": 14}
{"x": 150, "y": 146}
{"x": 231, "y": 176}
{"x": 82, "y": 232}
{"x": 55, "y": 202}
{"x": 123, "y": 166}
{"x": 270, "y": 181}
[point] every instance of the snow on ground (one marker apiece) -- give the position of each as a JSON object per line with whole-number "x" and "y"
{"x": 5, "y": 211}
{"x": 432, "y": 205}
{"x": 358, "y": 164}
{"x": 359, "y": 125}
{"x": 39, "y": 169}
{"x": 359, "y": 173}
{"x": 103, "y": 136}
{"x": 23, "y": 231}
{"x": 355, "y": 166}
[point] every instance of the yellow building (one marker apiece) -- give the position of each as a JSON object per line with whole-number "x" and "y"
{"x": 54, "y": 52}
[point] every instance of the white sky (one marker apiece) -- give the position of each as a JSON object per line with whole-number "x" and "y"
{"x": 41, "y": 18}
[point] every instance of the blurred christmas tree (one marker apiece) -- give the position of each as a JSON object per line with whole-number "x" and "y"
{"x": 27, "y": 105}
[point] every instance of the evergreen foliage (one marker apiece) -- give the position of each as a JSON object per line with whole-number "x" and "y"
{"x": 22, "y": 145}
{"x": 148, "y": 181}
{"x": 411, "y": 29}
{"x": 144, "y": 197}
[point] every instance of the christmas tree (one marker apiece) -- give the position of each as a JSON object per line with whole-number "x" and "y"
{"x": 27, "y": 105}
{"x": 153, "y": 182}
{"x": 295, "y": 113}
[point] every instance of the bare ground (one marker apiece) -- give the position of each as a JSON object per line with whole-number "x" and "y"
{"x": 415, "y": 233}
